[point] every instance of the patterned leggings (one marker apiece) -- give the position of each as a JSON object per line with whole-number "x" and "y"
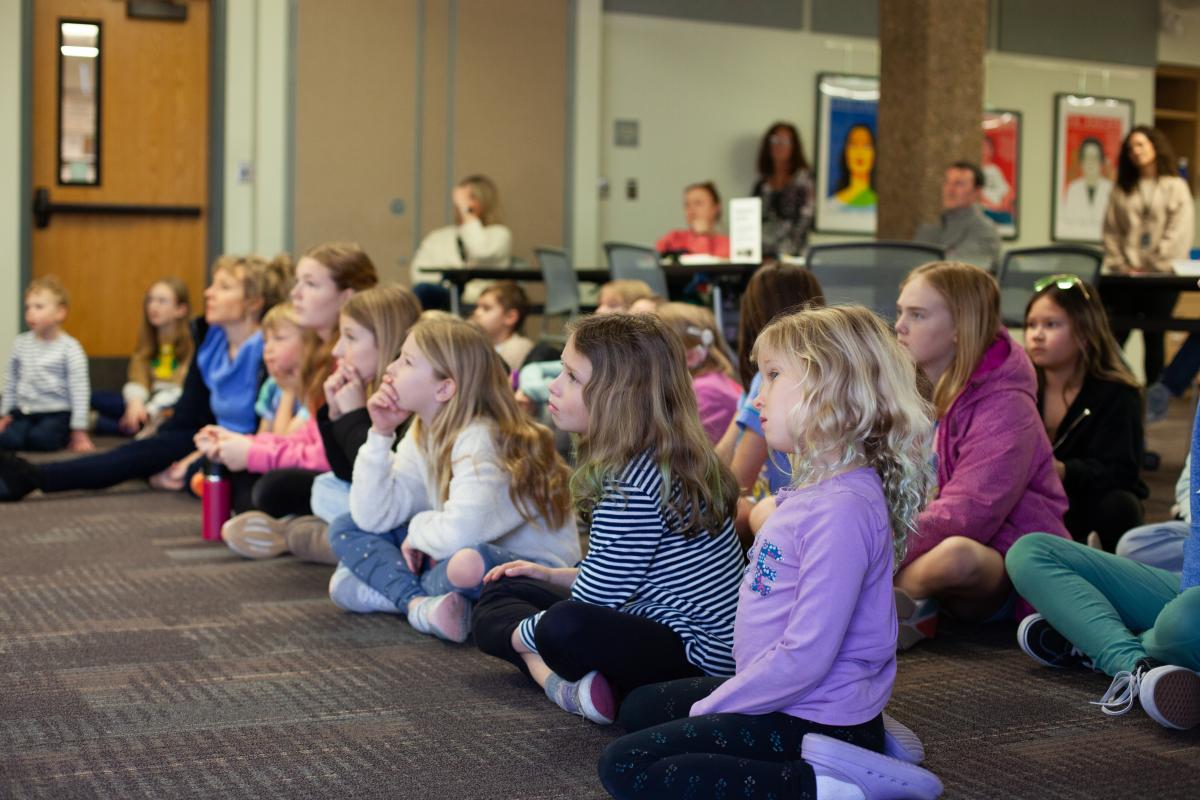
{"x": 668, "y": 754}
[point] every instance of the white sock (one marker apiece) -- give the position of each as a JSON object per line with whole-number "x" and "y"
{"x": 831, "y": 786}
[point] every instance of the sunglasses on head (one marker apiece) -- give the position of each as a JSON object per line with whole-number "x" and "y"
{"x": 1064, "y": 281}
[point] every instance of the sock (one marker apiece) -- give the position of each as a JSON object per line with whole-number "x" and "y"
{"x": 417, "y": 615}
{"x": 832, "y": 786}
{"x": 553, "y": 687}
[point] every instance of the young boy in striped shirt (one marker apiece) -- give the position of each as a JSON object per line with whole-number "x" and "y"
{"x": 46, "y": 395}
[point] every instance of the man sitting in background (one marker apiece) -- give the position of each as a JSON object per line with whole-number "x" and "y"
{"x": 964, "y": 231}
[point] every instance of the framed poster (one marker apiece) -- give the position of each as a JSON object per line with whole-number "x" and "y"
{"x": 847, "y": 115}
{"x": 1001, "y": 165}
{"x": 1088, "y": 132}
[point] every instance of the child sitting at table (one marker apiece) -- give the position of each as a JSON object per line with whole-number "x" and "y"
{"x": 501, "y": 312}
{"x": 702, "y": 210}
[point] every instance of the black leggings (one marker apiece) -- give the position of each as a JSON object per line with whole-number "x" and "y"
{"x": 574, "y": 638}
{"x": 668, "y": 754}
{"x": 1149, "y": 305}
{"x": 140, "y": 458}
{"x": 284, "y": 492}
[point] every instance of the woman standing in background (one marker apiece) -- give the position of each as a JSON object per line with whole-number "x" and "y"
{"x": 786, "y": 188}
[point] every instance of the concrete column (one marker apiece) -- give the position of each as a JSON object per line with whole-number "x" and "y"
{"x": 930, "y": 105}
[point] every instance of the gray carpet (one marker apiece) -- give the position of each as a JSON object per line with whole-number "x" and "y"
{"x": 137, "y": 660}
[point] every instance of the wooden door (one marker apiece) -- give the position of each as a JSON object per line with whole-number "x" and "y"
{"x": 124, "y": 202}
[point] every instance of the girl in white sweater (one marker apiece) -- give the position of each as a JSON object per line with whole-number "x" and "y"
{"x": 474, "y": 483}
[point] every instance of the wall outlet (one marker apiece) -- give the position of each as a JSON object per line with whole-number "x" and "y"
{"x": 631, "y": 189}
{"x": 245, "y": 172}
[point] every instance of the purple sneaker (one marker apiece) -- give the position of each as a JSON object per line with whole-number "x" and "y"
{"x": 900, "y": 742}
{"x": 879, "y": 777}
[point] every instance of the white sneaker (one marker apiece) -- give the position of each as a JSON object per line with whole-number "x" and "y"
{"x": 1123, "y": 690}
{"x": 1171, "y": 697}
{"x": 351, "y": 594}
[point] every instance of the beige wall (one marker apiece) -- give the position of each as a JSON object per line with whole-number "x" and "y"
{"x": 11, "y": 199}
{"x": 702, "y": 116}
{"x": 490, "y": 83}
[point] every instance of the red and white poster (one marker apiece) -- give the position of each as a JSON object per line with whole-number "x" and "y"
{"x": 1088, "y": 136}
{"x": 1001, "y": 165}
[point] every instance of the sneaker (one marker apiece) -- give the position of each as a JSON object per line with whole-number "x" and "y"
{"x": 1171, "y": 697}
{"x": 1124, "y": 689}
{"x": 1047, "y": 646}
{"x": 254, "y": 534}
{"x": 307, "y": 538}
{"x": 446, "y": 616}
{"x": 1158, "y": 402}
{"x": 351, "y": 594}
{"x": 900, "y": 742}
{"x": 876, "y": 775}
{"x": 18, "y": 477}
{"x": 590, "y": 697}
{"x": 917, "y": 619}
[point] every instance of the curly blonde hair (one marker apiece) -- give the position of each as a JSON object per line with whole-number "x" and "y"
{"x": 861, "y": 405}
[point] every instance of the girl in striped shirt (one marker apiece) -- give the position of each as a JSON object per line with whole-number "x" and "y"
{"x": 655, "y": 597}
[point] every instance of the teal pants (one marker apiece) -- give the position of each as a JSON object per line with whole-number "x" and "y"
{"x": 1115, "y": 610}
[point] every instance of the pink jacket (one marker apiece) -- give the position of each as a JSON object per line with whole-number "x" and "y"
{"x": 995, "y": 468}
{"x": 302, "y": 448}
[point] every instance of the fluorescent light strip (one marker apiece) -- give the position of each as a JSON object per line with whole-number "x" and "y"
{"x": 80, "y": 29}
{"x": 79, "y": 52}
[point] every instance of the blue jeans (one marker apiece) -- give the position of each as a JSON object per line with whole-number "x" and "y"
{"x": 1183, "y": 367}
{"x": 330, "y": 496}
{"x": 1157, "y": 545}
{"x": 41, "y": 432}
{"x": 376, "y": 560}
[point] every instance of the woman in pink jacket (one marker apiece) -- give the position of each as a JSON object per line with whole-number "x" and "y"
{"x": 995, "y": 468}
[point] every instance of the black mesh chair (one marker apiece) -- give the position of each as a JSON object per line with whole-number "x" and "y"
{"x": 562, "y": 289}
{"x": 868, "y": 273}
{"x": 1021, "y": 268}
{"x": 635, "y": 262}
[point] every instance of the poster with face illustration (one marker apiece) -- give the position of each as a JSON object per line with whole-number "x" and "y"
{"x": 847, "y": 116}
{"x": 1088, "y": 132}
{"x": 1001, "y": 162}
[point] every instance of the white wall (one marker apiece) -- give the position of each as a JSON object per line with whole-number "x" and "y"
{"x": 703, "y": 94}
{"x": 257, "y": 64}
{"x": 11, "y": 199}
{"x": 1180, "y": 42}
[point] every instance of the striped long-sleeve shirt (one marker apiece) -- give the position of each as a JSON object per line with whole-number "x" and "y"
{"x": 48, "y": 375}
{"x": 640, "y": 563}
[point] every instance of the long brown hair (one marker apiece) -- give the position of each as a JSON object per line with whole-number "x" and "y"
{"x": 640, "y": 398}
{"x": 1128, "y": 173}
{"x": 773, "y": 289}
{"x": 766, "y": 165}
{"x": 539, "y": 480}
{"x": 350, "y": 268}
{"x": 141, "y": 369}
{"x": 388, "y": 312}
{"x": 1099, "y": 354}
{"x": 973, "y": 297}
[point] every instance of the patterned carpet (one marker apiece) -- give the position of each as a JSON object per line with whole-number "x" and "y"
{"x": 137, "y": 660}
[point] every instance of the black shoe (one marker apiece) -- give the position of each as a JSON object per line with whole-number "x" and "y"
{"x": 17, "y": 477}
{"x": 1047, "y": 646}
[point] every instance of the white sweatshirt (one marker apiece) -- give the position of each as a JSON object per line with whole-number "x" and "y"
{"x": 389, "y": 489}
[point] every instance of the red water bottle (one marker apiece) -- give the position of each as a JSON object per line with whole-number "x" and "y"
{"x": 215, "y": 503}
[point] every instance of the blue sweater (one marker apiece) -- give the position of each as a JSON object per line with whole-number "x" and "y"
{"x": 1191, "y": 547}
{"x": 232, "y": 384}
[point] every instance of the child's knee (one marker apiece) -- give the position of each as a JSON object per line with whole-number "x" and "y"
{"x": 465, "y": 569}
{"x": 957, "y": 562}
{"x": 342, "y": 533}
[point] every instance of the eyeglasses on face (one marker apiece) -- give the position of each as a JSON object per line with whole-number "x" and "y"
{"x": 1063, "y": 281}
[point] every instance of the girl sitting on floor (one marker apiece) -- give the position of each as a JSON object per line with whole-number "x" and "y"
{"x": 326, "y": 277}
{"x": 1091, "y": 406}
{"x": 474, "y": 483}
{"x": 372, "y": 327}
{"x": 1137, "y": 623}
{"x": 995, "y": 469}
{"x": 286, "y": 346}
{"x": 655, "y": 597}
{"x": 815, "y": 635}
{"x": 717, "y": 393}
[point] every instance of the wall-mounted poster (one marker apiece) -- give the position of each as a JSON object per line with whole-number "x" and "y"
{"x": 1001, "y": 164}
{"x": 1088, "y": 132}
{"x": 847, "y": 113}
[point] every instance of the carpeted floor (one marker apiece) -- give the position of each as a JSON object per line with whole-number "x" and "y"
{"x": 137, "y": 660}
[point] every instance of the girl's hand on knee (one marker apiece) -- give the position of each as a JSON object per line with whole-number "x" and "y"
{"x": 515, "y": 569}
{"x": 413, "y": 557}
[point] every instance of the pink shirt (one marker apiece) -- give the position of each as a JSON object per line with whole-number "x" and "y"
{"x": 713, "y": 244}
{"x": 717, "y": 397}
{"x": 303, "y": 448}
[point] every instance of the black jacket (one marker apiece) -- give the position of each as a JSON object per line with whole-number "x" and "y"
{"x": 344, "y": 436}
{"x": 1100, "y": 440}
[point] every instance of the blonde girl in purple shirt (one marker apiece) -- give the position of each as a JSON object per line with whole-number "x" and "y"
{"x": 815, "y": 632}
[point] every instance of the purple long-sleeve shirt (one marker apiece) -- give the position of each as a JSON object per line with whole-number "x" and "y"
{"x": 815, "y": 632}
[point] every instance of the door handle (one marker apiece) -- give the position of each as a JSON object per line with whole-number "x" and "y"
{"x": 44, "y": 208}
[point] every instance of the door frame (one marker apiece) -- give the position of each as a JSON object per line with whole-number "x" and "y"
{"x": 215, "y": 216}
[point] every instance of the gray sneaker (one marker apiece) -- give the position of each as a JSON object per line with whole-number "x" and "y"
{"x": 1158, "y": 402}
